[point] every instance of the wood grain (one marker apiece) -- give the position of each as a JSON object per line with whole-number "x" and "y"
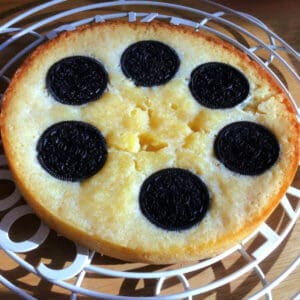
{"x": 283, "y": 18}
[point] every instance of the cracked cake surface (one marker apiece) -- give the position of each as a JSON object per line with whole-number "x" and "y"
{"x": 149, "y": 128}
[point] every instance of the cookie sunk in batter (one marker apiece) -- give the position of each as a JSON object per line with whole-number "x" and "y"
{"x": 149, "y": 63}
{"x": 174, "y": 199}
{"x": 72, "y": 150}
{"x": 76, "y": 80}
{"x": 246, "y": 148}
{"x": 128, "y": 138}
{"x": 218, "y": 85}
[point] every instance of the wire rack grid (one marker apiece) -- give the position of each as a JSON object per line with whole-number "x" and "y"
{"x": 259, "y": 42}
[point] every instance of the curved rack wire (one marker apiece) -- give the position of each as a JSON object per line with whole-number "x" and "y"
{"x": 266, "y": 48}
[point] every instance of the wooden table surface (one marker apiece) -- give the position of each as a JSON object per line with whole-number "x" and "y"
{"x": 282, "y": 17}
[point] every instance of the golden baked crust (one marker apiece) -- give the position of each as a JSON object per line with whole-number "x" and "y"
{"x": 146, "y": 129}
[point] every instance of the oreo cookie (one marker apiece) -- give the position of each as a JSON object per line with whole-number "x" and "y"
{"x": 72, "y": 150}
{"x": 174, "y": 199}
{"x": 76, "y": 80}
{"x": 149, "y": 63}
{"x": 218, "y": 86}
{"x": 246, "y": 148}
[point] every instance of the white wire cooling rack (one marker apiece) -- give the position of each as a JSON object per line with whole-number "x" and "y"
{"x": 27, "y": 30}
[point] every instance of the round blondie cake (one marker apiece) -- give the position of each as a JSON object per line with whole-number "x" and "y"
{"x": 148, "y": 142}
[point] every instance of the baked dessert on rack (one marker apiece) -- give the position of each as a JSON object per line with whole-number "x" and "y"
{"x": 148, "y": 142}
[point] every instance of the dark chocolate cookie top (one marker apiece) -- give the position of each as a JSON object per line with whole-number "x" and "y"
{"x": 72, "y": 150}
{"x": 218, "y": 85}
{"x": 149, "y": 63}
{"x": 246, "y": 148}
{"x": 174, "y": 199}
{"x": 76, "y": 80}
